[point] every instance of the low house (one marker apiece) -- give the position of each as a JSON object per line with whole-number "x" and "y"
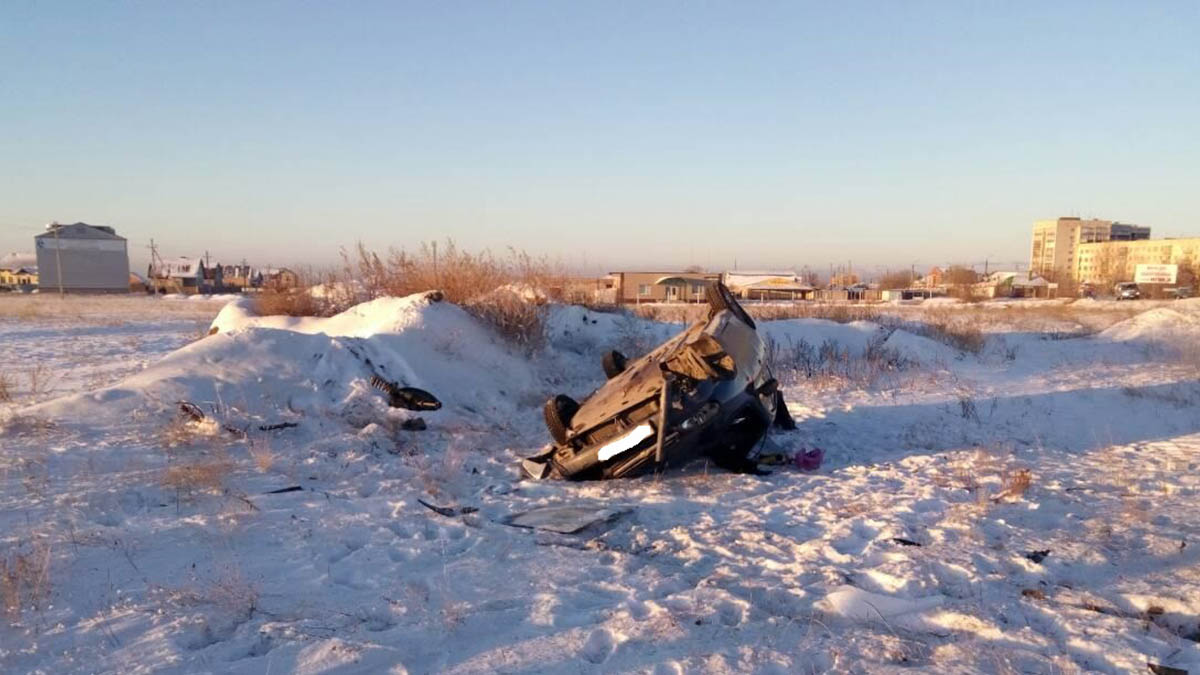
{"x": 582, "y": 290}
{"x": 914, "y": 293}
{"x": 278, "y": 278}
{"x": 852, "y": 293}
{"x": 1013, "y": 285}
{"x": 768, "y": 286}
{"x": 176, "y": 275}
{"x": 240, "y": 277}
{"x": 666, "y": 286}
{"x": 23, "y": 279}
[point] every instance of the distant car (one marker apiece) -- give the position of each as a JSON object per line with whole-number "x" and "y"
{"x": 1178, "y": 293}
{"x": 1087, "y": 291}
{"x": 1127, "y": 290}
{"x": 707, "y": 391}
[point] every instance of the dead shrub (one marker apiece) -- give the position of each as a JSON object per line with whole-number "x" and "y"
{"x": 1015, "y": 484}
{"x": 514, "y": 318}
{"x": 7, "y": 384}
{"x": 831, "y": 360}
{"x": 288, "y": 302}
{"x": 198, "y": 475}
{"x": 25, "y": 579}
{"x": 40, "y": 379}
{"x": 261, "y": 453}
{"x": 462, "y": 276}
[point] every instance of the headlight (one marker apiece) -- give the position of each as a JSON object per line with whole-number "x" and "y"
{"x": 624, "y": 443}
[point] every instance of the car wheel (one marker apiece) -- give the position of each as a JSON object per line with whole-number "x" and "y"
{"x": 614, "y": 363}
{"x": 720, "y": 297}
{"x": 559, "y": 411}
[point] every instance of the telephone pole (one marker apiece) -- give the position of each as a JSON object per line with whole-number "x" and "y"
{"x": 58, "y": 259}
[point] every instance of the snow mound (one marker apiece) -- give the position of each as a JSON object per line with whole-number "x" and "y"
{"x": 855, "y": 603}
{"x": 855, "y": 337}
{"x": 264, "y": 369}
{"x": 1156, "y": 325}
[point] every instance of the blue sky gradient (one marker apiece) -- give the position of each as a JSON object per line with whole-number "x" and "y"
{"x": 776, "y": 134}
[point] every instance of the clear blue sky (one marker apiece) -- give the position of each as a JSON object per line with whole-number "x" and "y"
{"x": 778, "y": 134}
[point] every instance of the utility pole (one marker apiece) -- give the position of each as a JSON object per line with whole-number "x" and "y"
{"x": 58, "y": 259}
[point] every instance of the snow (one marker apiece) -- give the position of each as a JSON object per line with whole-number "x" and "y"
{"x": 150, "y": 543}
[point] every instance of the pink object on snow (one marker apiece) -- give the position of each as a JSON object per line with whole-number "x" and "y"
{"x": 810, "y": 460}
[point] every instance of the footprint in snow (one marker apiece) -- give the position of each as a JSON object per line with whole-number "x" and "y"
{"x": 731, "y": 613}
{"x": 599, "y": 646}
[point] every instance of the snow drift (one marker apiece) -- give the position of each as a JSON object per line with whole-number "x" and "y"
{"x": 271, "y": 368}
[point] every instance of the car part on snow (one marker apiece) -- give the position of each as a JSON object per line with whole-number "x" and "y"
{"x": 809, "y": 460}
{"x": 408, "y": 398}
{"x": 614, "y": 363}
{"x": 1038, "y": 556}
{"x": 290, "y": 488}
{"x": 413, "y": 424}
{"x": 194, "y": 413}
{"x": 565, "y": 519}
{"x": 448, "y": 511}
{"x": 707, "y": 391}
{"x": 191, "y": 411}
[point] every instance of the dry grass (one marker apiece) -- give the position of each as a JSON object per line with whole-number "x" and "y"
{"x": 261, "y": 453}
{"x": 40, "y": 380}
{"x": 198, "y": 475}
{"x": 7, "y": 386}
{"x": 831, "y": 362}
{"x": 291, "y": 302}
{"x": 508, "y": 292}
{"x": 25, "y": 579}
{"x": 1015, "y": 485}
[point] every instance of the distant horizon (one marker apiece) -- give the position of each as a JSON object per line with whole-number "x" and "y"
{"x": 822, "y": 269}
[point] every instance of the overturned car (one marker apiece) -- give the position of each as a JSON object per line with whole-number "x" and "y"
{"x": 705, "y": 392}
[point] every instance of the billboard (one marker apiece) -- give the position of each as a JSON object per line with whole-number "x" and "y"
{"x": 1155, "y": 274}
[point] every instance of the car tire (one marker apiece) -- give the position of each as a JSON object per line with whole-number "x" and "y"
{"x": 614, "y": 363}
{"x": 720, "y": 297}
{"x": 559, "y": 411}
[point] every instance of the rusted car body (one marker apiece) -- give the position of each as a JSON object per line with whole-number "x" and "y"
{"x": 708, "y": 391}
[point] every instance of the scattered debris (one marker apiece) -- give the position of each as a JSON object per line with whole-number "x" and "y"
{"x": 194, "y": 413}
{"x": 1038, "y": 556}
{"x": 448, "y": 511}
{"x": 1035, "y": 593}
{"x": 810, "y": 460}
{"x": 413, "y": 424}
{"x": 290, "y": 488}
{"x": 564, "y": 519}
{"x": 905, "y": 542}
{"x": 408, "y": 398}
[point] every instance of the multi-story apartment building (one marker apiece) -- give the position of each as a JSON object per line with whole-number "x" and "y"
{"x": 1053, "y": 254}
{"x": 1112, "y": 261}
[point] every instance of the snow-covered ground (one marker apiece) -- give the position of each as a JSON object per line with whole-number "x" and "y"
{"x": 1028, "y": 508}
